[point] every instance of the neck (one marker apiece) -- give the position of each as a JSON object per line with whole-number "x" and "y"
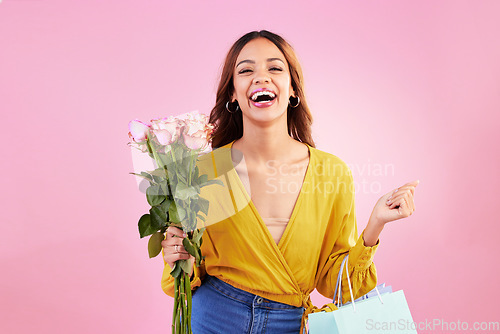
{"x": 263, "y": 145}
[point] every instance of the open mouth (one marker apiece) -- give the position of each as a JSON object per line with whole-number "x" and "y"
{"x": 263, "y": 96}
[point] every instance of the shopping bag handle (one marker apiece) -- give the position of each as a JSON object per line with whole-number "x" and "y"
{"x": 339, "y": 276}
{"x": 338, "y": 286}
{"x": 345, "y": 263}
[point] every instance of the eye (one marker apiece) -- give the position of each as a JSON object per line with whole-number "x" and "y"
{"x": 271, "y": 69}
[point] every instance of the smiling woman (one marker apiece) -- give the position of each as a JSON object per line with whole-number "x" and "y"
{"x": 254, "y": 55}
{"x": 274, "y": 235}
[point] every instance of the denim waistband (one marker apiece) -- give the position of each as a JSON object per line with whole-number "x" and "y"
{"x": 243, "y": 296}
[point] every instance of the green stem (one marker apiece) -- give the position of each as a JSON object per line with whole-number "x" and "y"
{"x": 157, "y": 158}
{"x": 173, "y": 157}
{"x": 176, "y": 303}
{"x": 183, "y": 306}
{"x": 189, "y": 174}
{"x": 178, "y": 313}
{"x": 189, "y": 302}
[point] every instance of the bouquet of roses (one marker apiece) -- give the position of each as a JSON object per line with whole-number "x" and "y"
{"x": 174, "y": 144}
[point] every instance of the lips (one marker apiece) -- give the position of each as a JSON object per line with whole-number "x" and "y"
{"x": 251, "y": 97}
{"x": 262, "y": 97}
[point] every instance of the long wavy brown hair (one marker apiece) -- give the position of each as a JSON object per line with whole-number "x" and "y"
{"x": 229, "y": 126}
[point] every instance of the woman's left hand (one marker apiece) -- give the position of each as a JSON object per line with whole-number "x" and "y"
{"x": 396, "y": 204}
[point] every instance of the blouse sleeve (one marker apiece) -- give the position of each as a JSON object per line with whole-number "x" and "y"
{"x": 362, "y": 270}
{"x": 167, "y": 281}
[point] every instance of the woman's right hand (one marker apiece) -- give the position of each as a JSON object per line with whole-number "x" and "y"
{"x": 173, "y": 249}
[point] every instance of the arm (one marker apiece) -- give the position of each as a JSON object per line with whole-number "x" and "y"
{"x": 342, "y": 238}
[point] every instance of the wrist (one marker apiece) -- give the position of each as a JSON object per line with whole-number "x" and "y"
{"x": 376, "y": 222}
{"x": 372, "y": 231}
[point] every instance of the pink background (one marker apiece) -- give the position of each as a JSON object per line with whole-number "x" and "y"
{"x": 408, "y": 84}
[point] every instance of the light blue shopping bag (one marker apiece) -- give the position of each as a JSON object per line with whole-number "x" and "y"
{"x": 387, "y": 314}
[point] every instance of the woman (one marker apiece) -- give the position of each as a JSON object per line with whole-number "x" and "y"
{"x": 263, "y": 259}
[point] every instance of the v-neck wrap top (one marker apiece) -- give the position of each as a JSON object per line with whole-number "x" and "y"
{"x": 276, "y": 227}
{"x": 241, "y": 250}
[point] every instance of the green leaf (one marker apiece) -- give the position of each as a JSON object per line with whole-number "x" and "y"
{"x": 154, "y": 244}
{"x": 203, "y": 205}
{"x": 160, "y": 172}
{"x": 164, "y": 187}
{"x": 173, "y": 213}
{"x": 214, "y": 181}
{"x": 176, "y": 271}
{"x": 198, "y": 235}
{"x": 199, "y": 258}
{"x": 154, "y": 195}
{"x": 185, "y": 265}
{"x": 165, "y": 205}
{"x": 166, "y": 159}
{"x": 144, "y": 175}
{"x": 189, "y": 246}
{"x": 183, "y": 168}
{"x": 176, "y": 213}
{"x": 181, "y": 212}
{"x": 145, "y": 227}
{"x": 202, "y": 179}
{"x": 158, "y": 217}
{"x": 183, "y": 192}
{"x": 181, "y": 178}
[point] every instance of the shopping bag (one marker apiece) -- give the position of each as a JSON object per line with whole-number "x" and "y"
{"x": 388, "y": 313}
{"x": 379, "y": 289}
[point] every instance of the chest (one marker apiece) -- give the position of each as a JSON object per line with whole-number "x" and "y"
{"x": 273, "y": 189}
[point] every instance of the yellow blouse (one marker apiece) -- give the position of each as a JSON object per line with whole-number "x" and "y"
{"x": 240, "y": 250}
{"x": 276, "y": 227}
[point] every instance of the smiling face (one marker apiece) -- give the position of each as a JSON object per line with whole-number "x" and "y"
{"x": 262, "y": 84}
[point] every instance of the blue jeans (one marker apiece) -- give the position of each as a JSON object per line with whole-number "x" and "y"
{"x": 218, "y": 307}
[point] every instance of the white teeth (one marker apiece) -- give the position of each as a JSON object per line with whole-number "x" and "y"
{"x": 256, "y": 95}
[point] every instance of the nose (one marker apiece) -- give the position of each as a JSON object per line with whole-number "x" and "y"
{"x": 261, "y": 76}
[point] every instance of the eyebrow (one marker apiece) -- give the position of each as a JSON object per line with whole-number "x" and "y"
{"x": 253, "y": 62}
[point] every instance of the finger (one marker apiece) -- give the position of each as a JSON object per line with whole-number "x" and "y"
{"x": 402, "y": 189}
{"x": 411, "y": 203}
{"x": 182, "y": 256}
{"x": 408, "y": 196}
{"x": 413, "y": 183}
{"x": 171, "y": 255}
{"x": 408, "y": 204}
{"x": 181, "y": 249}
{"x": 172, "y": 258}
{"x": 409, "y": 185}
{"x": 171, "y": 243}
{"x": 396, "y": 201}
{"x": 175, "y": 232}
{"x": 392, "y": 200}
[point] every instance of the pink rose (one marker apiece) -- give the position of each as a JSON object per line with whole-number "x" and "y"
{"x": 167, "y": 130}
{"x": 196, "y": 132}
{"x": 138, "y": 131}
